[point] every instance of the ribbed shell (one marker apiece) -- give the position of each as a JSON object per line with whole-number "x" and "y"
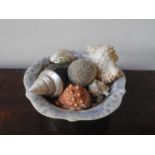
{"x": 46, "y": 85}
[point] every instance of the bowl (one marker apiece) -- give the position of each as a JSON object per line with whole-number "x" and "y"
{"x": 44, "y": 107}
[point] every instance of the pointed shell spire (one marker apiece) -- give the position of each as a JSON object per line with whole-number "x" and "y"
{"x": 47, "y": 83}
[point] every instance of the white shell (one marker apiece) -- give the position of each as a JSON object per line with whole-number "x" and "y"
{"x": 97, "y": 88}
{"x": 62, "y": 56}
{"x": 47, "y": 83}
{"x": 104, "y": 57}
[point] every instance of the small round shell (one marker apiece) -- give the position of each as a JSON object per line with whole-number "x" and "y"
{"x": 82, "y": 72}
{"x": 62, "y": 56}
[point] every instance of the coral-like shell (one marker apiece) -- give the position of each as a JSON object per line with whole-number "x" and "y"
{"x": 82, "y": 72}
{"x": 62, "y": 56}
{"x": 47, "y": 83}
{"x": 75, "y": 97}
{"x": 104, "y": 57}
{"x": 97, "y": 88}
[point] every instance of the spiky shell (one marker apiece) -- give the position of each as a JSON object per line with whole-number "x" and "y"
{"x": 104, "y": 57}
{"x": 97, "y": 88}
{"x": 75, "y": 97}
{"x": 82, "y": 72}
{"x": 47, "y": 83}
{"x": 62, "y": 56}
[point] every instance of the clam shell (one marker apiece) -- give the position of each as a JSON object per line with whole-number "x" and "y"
{"x": 47, "y": 83}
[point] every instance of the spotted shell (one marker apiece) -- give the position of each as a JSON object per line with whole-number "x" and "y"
{"x": 62, "y": 56}
{"x": 82, "y": 72}
{"x": 75, "y": 97}
{"x": 104, "y": 57}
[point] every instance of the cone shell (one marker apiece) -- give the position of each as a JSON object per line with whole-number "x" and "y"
{"x": 47, "y": 83}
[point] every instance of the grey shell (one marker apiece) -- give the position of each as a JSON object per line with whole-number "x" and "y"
{"x": 82, "y": 72}
{"x": 109, "y": 105}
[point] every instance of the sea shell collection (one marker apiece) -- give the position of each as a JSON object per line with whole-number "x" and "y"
{"x": 78, "y": 80}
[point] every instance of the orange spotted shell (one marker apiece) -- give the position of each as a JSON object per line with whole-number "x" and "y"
{"x": 75, "y": 97}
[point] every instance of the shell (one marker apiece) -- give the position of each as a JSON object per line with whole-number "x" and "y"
{"x": 47, "y": 83}
{"x": 97, "y": 88}
{"x": 62, "y": 56}
{"x": 104, "y": 57}
{"x": 82, "y": 72}
{"x": 75, "y": 97}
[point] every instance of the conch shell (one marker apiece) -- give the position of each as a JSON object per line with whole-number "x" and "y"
{"x": 62, "y": 56}
{"x": 47, "y": 83}
{"x": 104, "y": 57}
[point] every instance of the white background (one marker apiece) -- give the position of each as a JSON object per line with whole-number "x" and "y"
{"x": 23, "y": 42}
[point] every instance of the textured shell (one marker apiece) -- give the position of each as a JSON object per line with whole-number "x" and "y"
{"x": 97, "y": 88}
{"x": 75, "y": 97}
{"x": 47, "y": 83}
{"x": 62, "y": 56}
{"x": 104, "y": 57}
{"x": 82, "y": 72}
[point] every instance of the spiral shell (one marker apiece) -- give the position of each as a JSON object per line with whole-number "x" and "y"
{"x": 48, "y": 83}
{"x": 104, "y": 57}
{"x": 82, "y": 72}
{"x": 62, "y": 56}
